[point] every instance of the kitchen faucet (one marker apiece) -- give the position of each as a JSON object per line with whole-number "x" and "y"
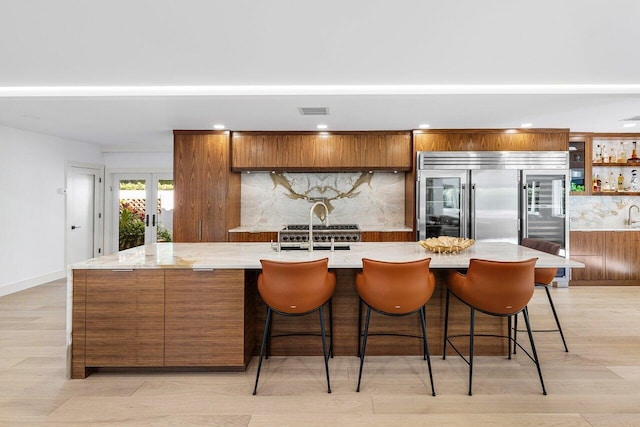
{"x": 629, "y": 219}
{"x": 325, "y": 221}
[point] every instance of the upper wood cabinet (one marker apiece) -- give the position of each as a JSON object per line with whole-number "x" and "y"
{"x": 491, "y": 140}
{"x": 206, "y": 192}
{"x": 311, "y": 151}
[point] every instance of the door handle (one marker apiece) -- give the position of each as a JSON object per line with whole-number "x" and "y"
{"x": 147, "y": 218}
{"x": 153, "y": 220}
{"x": 73, "y": 227}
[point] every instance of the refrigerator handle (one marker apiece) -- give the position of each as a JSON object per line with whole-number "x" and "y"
{"x": 525, "y": 212}
{"x": 463, "y": 211}
{"x": 472, "y": 211}
{"x": 417, "y": 193}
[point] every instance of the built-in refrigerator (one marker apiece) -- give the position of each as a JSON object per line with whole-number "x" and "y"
{"x": 497, "y": 196}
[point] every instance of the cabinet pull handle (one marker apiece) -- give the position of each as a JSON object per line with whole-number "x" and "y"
{"x": 122, "y": 270}
{"x": 202, "y": 269}
{"x": 200, "y": 230}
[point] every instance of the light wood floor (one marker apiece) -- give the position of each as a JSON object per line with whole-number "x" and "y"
{"x": 596, "y": 384}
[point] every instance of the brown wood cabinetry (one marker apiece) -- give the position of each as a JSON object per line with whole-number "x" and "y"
{"x": 124, "y": 312}
{"x": 388, "y": 236}
{"x": 491, "y": 140}
{"x": 610, "y": 257}
{"x": 587, "y": 248}
{"x": 266, "y": 236}
{"x": 161, "y": 318}
{"x": 205, "y": 318}
{"x": 311, "y": 151}
{"x": 206, "y": 192}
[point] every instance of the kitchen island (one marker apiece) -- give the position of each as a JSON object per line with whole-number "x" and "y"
{"x": 195, "y": 305}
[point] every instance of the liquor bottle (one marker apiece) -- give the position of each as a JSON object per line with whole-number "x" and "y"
{"x": 634, "y": 153}
{"x": 612, "y": 156}
{"x": 634, "y": 180}
{"x": 612, "y": 182}
{"x": 622, "y": 155}
{"x": 598, "y": 154}
{"x": 620, "y": 182}
{"x": 597, "y": 184}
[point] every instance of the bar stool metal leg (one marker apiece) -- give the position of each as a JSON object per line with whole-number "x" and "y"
{"x": 265, "y": 334}
{"x": 364, "y": 345}
{"x": 525, "y": 313}
{"x": 471, "y": 336}
{"x": 331, "y": 327}
{"x": 426, "y": 348}
{"x": 446, "y": 326}
{"x": 555, "y": 316}
{"x": 324, "y": 349}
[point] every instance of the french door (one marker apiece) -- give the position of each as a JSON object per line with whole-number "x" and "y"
{"x": 143, "y": 207}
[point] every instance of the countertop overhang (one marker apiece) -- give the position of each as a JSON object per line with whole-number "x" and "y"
{"x": 248, "y": 256}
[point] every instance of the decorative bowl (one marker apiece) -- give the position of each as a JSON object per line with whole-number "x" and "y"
{"x": 446, "y": 244}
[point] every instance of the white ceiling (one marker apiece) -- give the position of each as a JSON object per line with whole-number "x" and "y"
{"x": 124, "y": 74}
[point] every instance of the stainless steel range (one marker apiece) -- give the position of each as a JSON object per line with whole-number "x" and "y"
{"x": 296, "y": 236}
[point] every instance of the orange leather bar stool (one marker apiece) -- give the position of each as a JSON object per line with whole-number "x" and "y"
{"x": 543, "y": 279}
{"x": 496, "y": 288}
{"x": 295, "y": 289}
{"x": 395, "y": 289}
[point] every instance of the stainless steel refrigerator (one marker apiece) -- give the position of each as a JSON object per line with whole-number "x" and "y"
{"x": 497, "y": 196}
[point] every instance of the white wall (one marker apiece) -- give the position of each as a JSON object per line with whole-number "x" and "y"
{"x": 161, "y": 161}
{"x": 32, "y": 212}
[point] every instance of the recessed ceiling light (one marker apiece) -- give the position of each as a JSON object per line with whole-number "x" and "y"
{"x": 628, "y": 125}
{"x": 322, "y": 126}
{"x": 424, "y": 126}
{"x": 219, "y": 127}
{"x": 526, "y": 125}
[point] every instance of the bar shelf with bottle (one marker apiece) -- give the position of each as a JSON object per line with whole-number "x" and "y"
{"x": 615, "y": 166}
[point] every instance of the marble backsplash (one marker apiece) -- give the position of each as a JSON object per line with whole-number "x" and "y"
{"x": 270, "y": 200}
{"x": 601, "y": 212}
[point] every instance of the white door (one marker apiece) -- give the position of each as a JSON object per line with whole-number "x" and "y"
{"x": 83, "y": 216}
{"x": 143, "y": 209}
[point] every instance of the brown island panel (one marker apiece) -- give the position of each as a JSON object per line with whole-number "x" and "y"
{"x": 184, "y": 319}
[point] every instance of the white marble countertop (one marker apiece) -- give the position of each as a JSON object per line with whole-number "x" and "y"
{"x": 622, "y": 228}
{"x": 248, "y": 256}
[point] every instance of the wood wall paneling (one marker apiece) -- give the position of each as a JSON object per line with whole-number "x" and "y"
{"x": 187, "y": 185}
{"x": 207, "y": 193}
{"x": 124, "y": 318}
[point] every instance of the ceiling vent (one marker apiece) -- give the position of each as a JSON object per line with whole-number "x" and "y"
{"x": 632, "y": 119}
{"x": 314, "y": 111}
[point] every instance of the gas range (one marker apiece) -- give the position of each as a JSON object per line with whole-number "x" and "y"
{"x": 297, "y": 236}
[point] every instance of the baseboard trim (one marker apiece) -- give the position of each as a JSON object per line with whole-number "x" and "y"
{"x": 30, "y": 283}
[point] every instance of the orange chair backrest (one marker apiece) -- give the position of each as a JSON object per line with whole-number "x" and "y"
{"x": 497, "y": 287}
{"x": 543, "y": 275}
{"x": 395, "y": 287}
{"x": 296, "y": 287}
